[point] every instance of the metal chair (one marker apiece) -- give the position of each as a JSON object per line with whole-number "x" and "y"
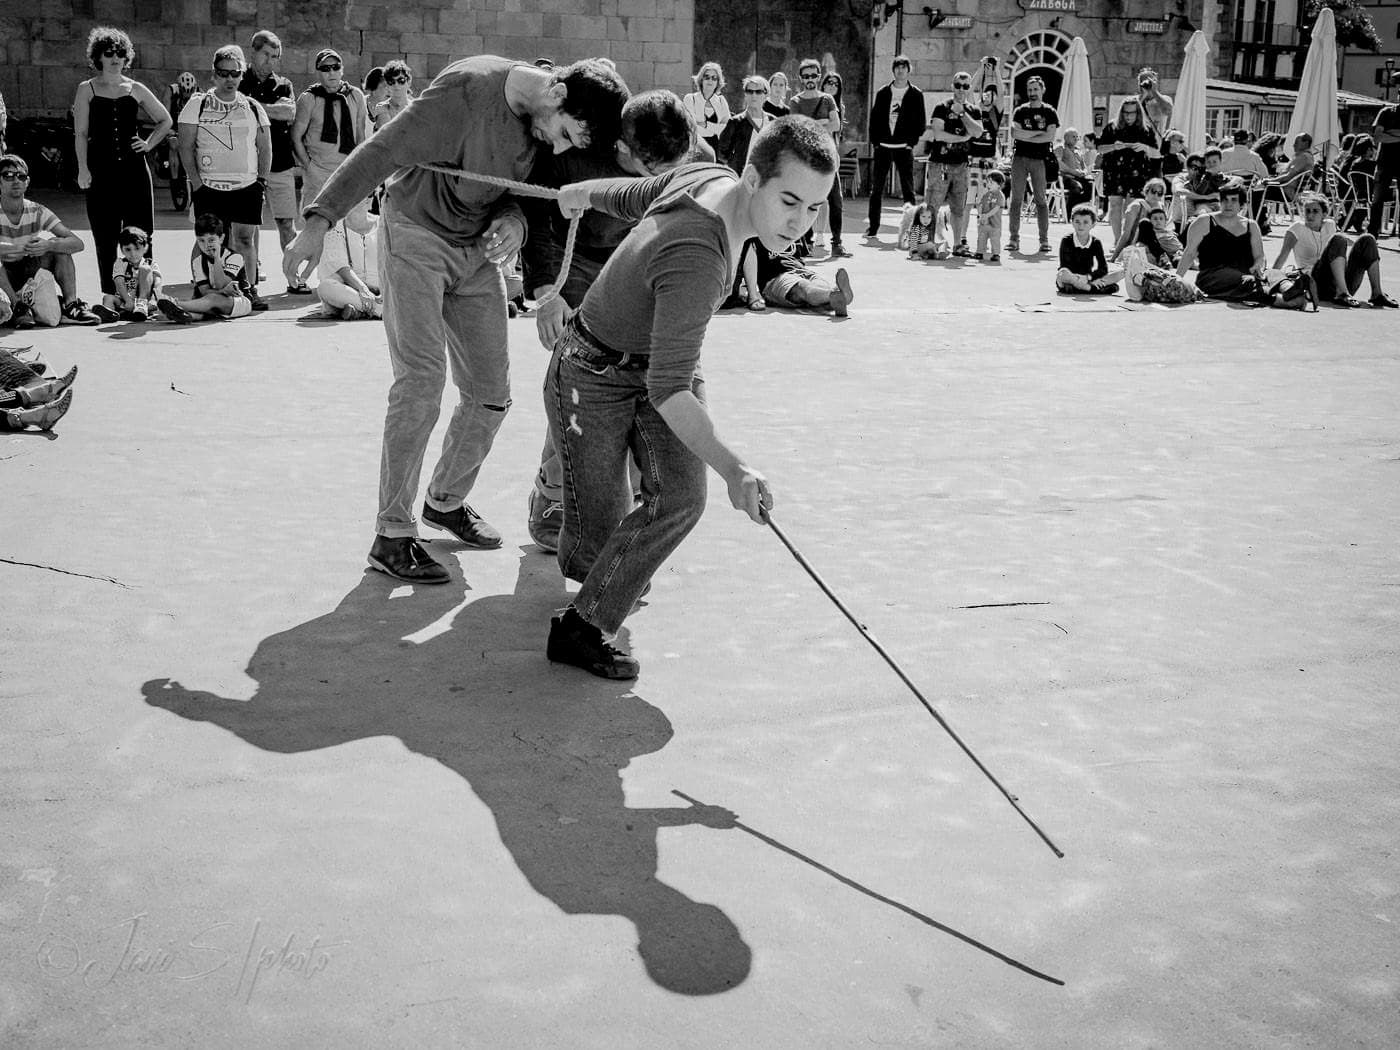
{"x": 850, "y": 173}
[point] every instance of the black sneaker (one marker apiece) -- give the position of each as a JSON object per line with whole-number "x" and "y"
{"x": 466, "y": 524}
{"x": 106, "y": 315}
{"x": 573, "y": 640}
{"x": 75, "y": 311}
{"x": 173, "y": 311}
{"x": 872, "y": 231}
{"x": 842, "y": 294}
{"x": 404, "y": 558}
{"x": 259, "y": 303}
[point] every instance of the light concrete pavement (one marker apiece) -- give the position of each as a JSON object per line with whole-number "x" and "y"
{"x": 253, "y": 794}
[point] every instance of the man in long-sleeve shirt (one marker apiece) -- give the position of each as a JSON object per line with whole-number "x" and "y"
{"x": 443, "y": 238}
{"x": 896, "y": 123}
{"x": 625, "y": 374}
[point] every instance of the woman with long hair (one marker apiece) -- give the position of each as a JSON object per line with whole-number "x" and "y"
{"x": 706, "y": 104}
{"x": 831, "y": 84}
{"x": 398, "y": 80}
{"x": 1173, "y": 154}
{"x": 110, "y": 149}
{"x": 1130, "y": 153}
{"x": 777, "y": 95}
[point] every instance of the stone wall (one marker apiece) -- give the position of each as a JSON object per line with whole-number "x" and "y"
{"x": 650, "y": 40}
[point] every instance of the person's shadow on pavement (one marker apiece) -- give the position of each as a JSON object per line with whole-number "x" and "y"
{"x": 541, "y": 745}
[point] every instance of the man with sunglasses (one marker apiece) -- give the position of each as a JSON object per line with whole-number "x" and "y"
{"x": 952, "y": 127}
{"x": 264, "y": 84}
{"x": 896, "y": 123}
{"x": 35, "y": 247}
{"x": 226, "y": 148}
{"x": 443, "y": 240}
{"x": 816, "y": 104}
{"x": 332, "y": 118}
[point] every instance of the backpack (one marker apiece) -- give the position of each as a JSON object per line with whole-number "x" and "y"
{"x": 1163, "y": 286}
{"x": 1295, "y": 289}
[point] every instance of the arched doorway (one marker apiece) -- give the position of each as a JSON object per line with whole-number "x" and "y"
{"x": 1041, "y": 53}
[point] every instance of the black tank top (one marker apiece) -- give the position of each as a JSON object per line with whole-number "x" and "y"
{"x": 112, "y": 122}
{"x": 1219, "y": 247}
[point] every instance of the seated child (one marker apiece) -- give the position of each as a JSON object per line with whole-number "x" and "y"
{"x": 990, "y": 204}
{"x": 1203, "y": 181}
{"x": 220, "y": 282}
{"x": 1083, "y": 267}
{"x": 784, "y": 282}
{"x": 349, "y": 269}
{"x": 1159, "y": 237}
{"x": 920, "y": 240}
{"x": 137, "y": 280}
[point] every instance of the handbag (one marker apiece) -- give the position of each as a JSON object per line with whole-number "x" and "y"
{"x": 1293, "y": 291}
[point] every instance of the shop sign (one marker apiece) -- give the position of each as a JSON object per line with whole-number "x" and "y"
{"x": 1052, "y": 5}
{"x": 956, "y": 22}
{"x": 1147, "y": 25}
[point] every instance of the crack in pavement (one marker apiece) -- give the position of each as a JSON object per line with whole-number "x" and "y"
{"x": 65, "y": 572}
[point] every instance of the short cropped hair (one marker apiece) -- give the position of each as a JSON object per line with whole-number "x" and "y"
{"x": 596, "y": 95}
{"x": 808, "y": 63}
{"x": 265, "y": 38}
{"x": 900, "y": 60}
{"x": 1035, "y": 80}
{"x": 231, "y": 53}
{"x": 1241, "y": 136}
{"x": 103, "y": 38}
{"x": 1300, "y": 138}
{"x": 753, "y": 80}
{"x": 656, "y": 127}
{"x": 1154, "y": 212}
{"x": 133, "y": 235}
{"x": 1084, "y": 209}
{"x": 208, "y": 223}
{"x": 1213, "y": 151}
{"x": 801, "y": 138}
{"x": 1193, "y": 159}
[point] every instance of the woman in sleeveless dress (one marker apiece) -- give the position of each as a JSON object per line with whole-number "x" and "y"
{"x": 111, "y": 151}
{"x": 1230, "y": 249}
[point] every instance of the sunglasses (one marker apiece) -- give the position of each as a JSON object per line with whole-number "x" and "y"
{"x": 227, "y": 73}
{"x": 709, "y": 76}
{"x": 808, "y": 76}
{"x": 14, "y": 176}
{"x": 754, "y": 91}
{"x": 329, "y": 69}
{"x": 397, "y": 79}
{"x": 114, "y": 52}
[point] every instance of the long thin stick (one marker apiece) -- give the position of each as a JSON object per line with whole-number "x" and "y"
{"x": 768, "y": 518}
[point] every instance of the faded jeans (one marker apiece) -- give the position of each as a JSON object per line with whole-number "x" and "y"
{"x": 601, "y": 417}
{"x": 549, "y": 480}
{"x": 1021, "y": 167}
{"x": 438, "y": 295}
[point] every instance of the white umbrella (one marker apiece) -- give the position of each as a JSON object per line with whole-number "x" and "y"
{"x": 1189, "y": 110}
{"x": 1315, "y": 113}
{"x": 1076, "y": 105}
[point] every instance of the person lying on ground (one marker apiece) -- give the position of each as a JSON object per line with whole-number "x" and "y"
{"x": 29, "y": 399}
{"x": 782, "y": 281}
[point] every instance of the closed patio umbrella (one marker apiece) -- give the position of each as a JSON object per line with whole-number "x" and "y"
{"x": 1315, "y": 113}
{"x": 1190, "y": 104}
{"x": 1076, "y": 105}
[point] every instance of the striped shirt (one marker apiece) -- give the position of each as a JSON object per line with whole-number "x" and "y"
{"x": 33, "y": 218}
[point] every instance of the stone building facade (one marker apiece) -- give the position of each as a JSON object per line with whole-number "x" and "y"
{"x": 650, "y": 40}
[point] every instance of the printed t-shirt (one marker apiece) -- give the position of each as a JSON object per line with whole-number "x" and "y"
{"x": 1033, "y": 118}
{"x": 127, "y": 276}
{"x": 952, "y": 152}
{"x": 230, "y": 262}
{"x": 225, "y": 144}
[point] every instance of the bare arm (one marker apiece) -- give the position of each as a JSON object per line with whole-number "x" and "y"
{"x": 65, "y": 241}
{"x": 299, "y": 126}
{"x": 156, "y": 112}
{"x": 1288, "y": 241}
{"x": 689, "y": 421}
{"x": 1194, "y": 234}
{"x": 80, "y": 134}
{"x": 188, "y": 132}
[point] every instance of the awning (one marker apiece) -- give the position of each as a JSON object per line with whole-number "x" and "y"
{"x": 1225, "y": 92}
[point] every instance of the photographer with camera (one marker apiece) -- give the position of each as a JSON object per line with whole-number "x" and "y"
{"x": 1156, "y": 107}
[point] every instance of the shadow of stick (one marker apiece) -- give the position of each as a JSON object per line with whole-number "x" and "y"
{"x": 845, "y": 881}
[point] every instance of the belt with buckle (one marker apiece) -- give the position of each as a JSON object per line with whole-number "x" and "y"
{"x": 579, "y": 343}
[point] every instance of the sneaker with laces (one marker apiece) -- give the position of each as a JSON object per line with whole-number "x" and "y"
{"x": 258, "y": 303}
{"x": 573, "y": 640}
{"x": 106, "y": 314}
{"x": 464, "y": 523}
{"x": 1013, "y": 245}
{"x": 75, "y": 311}
{"x": 173, "y": 311}
{"x": 545, "y": 517}
{"x": 839, "y": 250}
{"x": 41, "y": 416}
{"x": 1044, "y": 247}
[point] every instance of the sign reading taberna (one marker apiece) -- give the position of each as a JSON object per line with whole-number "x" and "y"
{"x": 1052, "y": 5}
{"x": 1143, "y": 25}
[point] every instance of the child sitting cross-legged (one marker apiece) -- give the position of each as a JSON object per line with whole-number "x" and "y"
{"x": 1159, "y": 237}
{"x": 136, "y": 278}
{"x": 220, "y": 282}
{"x": 919, "y": 238}
{"x": 1083, "y": 268}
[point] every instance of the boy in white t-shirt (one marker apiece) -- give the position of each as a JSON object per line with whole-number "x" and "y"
{"x": 218, "y": 275}
{"x": 136, "y": 279}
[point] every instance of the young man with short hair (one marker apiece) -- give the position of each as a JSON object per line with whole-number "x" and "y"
{"x": 625, "y": 374}
{"x": 227, "y": 153}
{"x": 35, "y": 247}
{"x": 896, "y": 123}
{"x": 1033, "y": 128}
{"x": 443, "y": 240}
{"x": 265, "y": 85}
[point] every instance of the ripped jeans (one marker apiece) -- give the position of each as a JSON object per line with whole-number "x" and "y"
{"x": 601, "y": 418}
{"x": 438, "y": 295}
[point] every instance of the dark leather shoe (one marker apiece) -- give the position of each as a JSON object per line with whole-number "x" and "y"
{"x": 466, "y": 524}
{"x": 573, "y": 640}
{"x": 404, "y": 558}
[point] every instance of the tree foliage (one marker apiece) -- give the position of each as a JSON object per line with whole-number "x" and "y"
{"x": 1354, "y": 26}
